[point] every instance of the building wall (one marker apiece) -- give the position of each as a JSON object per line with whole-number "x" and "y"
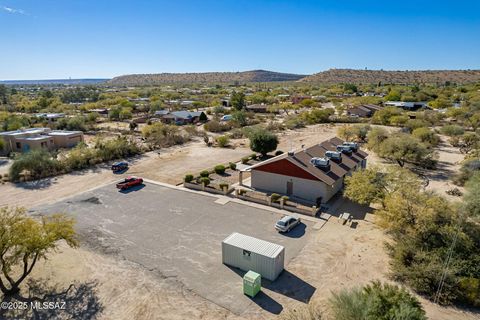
{"x": 268, "y": 267}
{"x": 27, "y": 145}
{"x": 67, "y": 141}
{"x": 306, "y": 189}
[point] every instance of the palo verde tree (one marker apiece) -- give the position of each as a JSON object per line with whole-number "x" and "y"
{"x": 24, "y": 241}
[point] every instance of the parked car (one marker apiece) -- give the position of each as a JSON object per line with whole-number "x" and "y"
{"x": 226, "y": 117}
{"x": 287, "y": 223}
{"x": 119, "y": 166}
{"x": 129, "y": 182}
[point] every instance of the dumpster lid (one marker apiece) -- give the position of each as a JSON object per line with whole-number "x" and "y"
{"x": 251, "y": 276}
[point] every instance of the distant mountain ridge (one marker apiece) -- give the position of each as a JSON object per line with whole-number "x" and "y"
{"x": 394, "y": 77}
{"x": 204, "y": 77}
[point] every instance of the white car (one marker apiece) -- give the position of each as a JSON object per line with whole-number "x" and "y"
{"x": 287, "y": 223}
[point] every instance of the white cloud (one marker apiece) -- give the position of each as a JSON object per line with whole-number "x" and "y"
{"x": 13, "y": 10}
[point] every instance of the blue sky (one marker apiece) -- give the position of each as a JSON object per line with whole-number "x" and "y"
{"x": 47, "y": 39}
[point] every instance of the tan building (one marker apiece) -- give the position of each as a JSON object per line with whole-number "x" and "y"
{"x": 312, "y": 175}
{"x": 38, "y": 138}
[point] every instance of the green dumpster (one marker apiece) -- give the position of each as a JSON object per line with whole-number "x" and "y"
{"x": 252, "y": 283}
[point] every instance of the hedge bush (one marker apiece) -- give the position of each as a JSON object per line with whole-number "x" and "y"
{"x": 205, "y": 180}
{"x": 188, "y": 178}
{"x": 224, "y": 185}
{"x": 275, "y": 197}
{"x": 232, "y": 166}
{"x": 219, "y": 169}
{"x": 204, "y": 174}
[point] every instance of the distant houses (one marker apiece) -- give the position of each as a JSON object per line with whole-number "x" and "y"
{"x": 181, "y": 117}
{"x": 39, "y": 138}
{"x": 313, "y": 175}
{"x": 50, "y": 117}
{"x": 363, "y": 111}
{"x": 407, "y": 105}
{"x": 257, "y": 108}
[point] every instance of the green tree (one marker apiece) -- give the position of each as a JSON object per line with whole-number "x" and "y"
{"x": 24, "y": 241}
{"x": 350, "y": 88}
{"x": 125, "y": 113}
{"x": 471, "y": 200}
{"x": 393, "y": 95}
{"x": 426, "y": 135}
{"x": 452, "y": 130}
{"x": 237, "y": 100}
{"x": 373, "y": 184}
{"x": 223, "y": 141}
{"x": 163, "y": 135}
{"x": 34, "y": 164}
{"x": 376, "y": 301}
{"x": 2, "y": 144}
{"x": 402, "y": 148}
{"x": 375, "y": 137}
{"x": 353, "y": 132}
{"x": 263, "y": 141}
{"x": 383, "y": 116}
{"x": 240, "y": 118}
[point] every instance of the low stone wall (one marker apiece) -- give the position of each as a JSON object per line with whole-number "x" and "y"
{"x": 201, "y": 187}
{"x": 309, "y": 211}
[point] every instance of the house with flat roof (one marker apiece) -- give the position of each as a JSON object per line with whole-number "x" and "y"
{"x": 181, "y": 117}
{"x": 407, "y": 105}
{"x": 257, "y": 108}
{"x": 25, "y": 140}
{"x": 312, "y": 175}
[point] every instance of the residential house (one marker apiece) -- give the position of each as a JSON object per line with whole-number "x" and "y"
{"x": 38, "y": 138}
{"x": 297, "y": 99}
{"x": 50, "y": 117}
{"x": 181, "y": 117}
{"x": 407, "y": 105}
{"x": 363, "y": 111}
{"x": 257, "y": 108}
{"x": 313, "y": 175}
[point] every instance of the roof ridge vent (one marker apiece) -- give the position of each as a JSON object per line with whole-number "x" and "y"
{"x": 352, "y": 145}
{"x": 334, "y": 155}
{"x": 320, "y": 162}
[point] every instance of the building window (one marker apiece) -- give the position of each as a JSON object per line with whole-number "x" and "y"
{"x": 18, "y": 145}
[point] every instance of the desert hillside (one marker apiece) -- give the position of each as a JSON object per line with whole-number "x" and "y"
{"x": 204, "y": 77}
{"x": 399, "y": 77}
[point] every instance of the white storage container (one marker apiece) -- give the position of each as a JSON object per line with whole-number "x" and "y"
{"x": 249, "y": 253}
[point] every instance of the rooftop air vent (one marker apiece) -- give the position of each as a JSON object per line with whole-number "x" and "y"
{"x": 344, "y": 149}
{"x": 334, "y": 155}
{"x": 320, "y": 162}
{"x": 353, "y": 145}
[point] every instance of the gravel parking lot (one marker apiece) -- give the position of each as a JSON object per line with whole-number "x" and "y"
{"x": 177, "y": 236}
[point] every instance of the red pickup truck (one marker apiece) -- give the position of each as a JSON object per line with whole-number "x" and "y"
{"x": 129, "y": 182}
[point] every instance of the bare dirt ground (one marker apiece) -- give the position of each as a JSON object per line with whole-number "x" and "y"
{"x": 449, "y": 162}
{"x": 337, "y": 256}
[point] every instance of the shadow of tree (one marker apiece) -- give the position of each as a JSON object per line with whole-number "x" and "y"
{"x": 78, "y": 301}
{"x": 36, "y": 184}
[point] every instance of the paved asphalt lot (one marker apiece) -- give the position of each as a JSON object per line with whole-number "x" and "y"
{"x": 177, "y": 235}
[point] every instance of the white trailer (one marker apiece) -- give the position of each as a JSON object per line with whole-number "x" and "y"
{"x": 249, "y": 253}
